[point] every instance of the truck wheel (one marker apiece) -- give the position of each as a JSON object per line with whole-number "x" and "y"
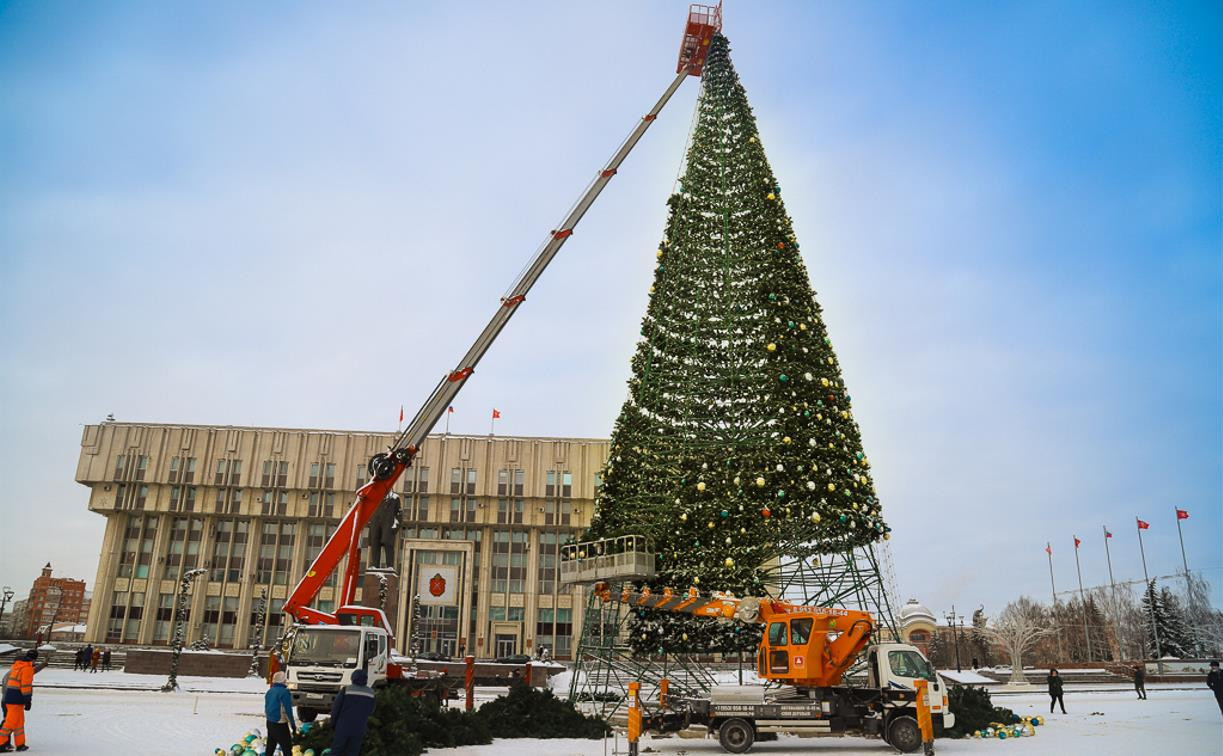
{"x": 307, "y": 715}
{"x": 904, "y": 735}
{"x": 736, "y": 735}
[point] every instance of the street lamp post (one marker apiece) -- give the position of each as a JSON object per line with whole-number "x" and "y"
{"x": 5, "y": 597}
{"x": 951, "y": 620}
{"x": 50, "y": 626}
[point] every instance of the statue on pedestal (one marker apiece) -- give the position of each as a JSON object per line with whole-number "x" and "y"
{"x": 383, "y": 532}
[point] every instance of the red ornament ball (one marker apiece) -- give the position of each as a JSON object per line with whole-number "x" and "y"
{"x": 766, "y": 513}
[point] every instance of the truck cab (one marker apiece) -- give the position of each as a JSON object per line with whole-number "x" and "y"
{"x": 899, "y": 666}
{"x": 321, "y": 659}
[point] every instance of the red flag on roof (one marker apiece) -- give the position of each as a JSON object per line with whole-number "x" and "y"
{"x": 1182, "y": 514}
{"x": 1077, "y": 542}
{"x": 1048, "y": 549}
{"x": 1107, "y": 534}
{"x": 1143, "y": 525}
{"x": 450, "y": 409}
{"x": 401, "y": 413}
{"x": 496, "y": 414}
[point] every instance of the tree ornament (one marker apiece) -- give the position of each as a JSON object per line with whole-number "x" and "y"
{"x": 766, "y": 513}
{"x": 658, "y": 254}
{"x": 729, "y": 563}
{"x": 700, "y": 486}
{"x": 772, "y": 196}
{"x": 811, "y": 485}
{"x": 824, "y": 382}
{"x": 737, "y": 480}
{"x": 771, "y": 347}
{"x": 759, "y": 482}
{"x": 783, "y": 378}
{"x": 725, "y": 513}
{"x": 815, "y": 517}
{"x": 683, "y": 516}
{"x": 711, "y": 525}
{"x": 786, "y": 440}
{"x": 781, "y": 468}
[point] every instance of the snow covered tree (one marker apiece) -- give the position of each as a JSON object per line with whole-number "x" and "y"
{"x": 737, "y": 442}
{"x": 1165, "y": 621}
{"x": 1018, "y": 627}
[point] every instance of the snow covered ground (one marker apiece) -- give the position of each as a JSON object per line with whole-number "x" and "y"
{"x": 117, "y": 713}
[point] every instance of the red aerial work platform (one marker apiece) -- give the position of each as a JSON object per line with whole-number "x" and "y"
{"x": 704, "y": 21}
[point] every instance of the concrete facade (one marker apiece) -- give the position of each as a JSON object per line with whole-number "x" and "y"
{"x": 253, "y": 506}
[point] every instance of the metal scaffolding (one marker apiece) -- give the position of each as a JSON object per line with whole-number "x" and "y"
{"x": 605, "y": 662}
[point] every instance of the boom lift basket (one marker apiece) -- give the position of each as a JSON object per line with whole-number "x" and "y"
{"x": 704, "y": 21}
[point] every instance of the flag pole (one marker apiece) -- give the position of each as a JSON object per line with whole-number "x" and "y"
{"x": 1113, "y": 586}
{"x": 448, "y": 413}
{"x": 1150, "y": 601}
{"x": 1053, "y": 590}
{"x": 1082, "y": 597}
{"x": 1184, "y": 561}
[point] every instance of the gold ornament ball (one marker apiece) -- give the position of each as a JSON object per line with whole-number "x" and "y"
{"x": 787, "y": 440}
{"x": 658, "y": 254}
{"x": 737, "y": 481}
{"x": 832, "y": 486}
{"x": 759, "y": 482}
{"x": 700, "y": 486}
{"x": 729, "y": 562}
{"x": 815, "y": 517}
{"x": 683, "y": 516}
{"x": 824, "y": 382}
{"x": 710, "y": 525}
{"x": 771, "y": 347}
{"x": 772, "y": 196}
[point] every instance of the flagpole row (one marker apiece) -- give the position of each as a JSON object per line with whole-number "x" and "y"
{"x": 1150, "y": 597}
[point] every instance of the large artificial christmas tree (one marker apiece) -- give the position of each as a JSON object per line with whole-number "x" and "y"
{"x": 737, "y": 446}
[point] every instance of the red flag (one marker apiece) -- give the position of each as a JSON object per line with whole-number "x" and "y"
{"x": 1143, "y": 525}
{"x": 1049, "y": 549}
{"x": 1107, "y": 534}
{"x": 1182, "y": 514}
{"x": 496, "y": 414}
{"x": 1077, "y": 542}
{"x": 450, "y": 410}
{"x": 401, "y": 413}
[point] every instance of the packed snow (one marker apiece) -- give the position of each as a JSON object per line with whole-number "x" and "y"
{"x": 117, "y": 713}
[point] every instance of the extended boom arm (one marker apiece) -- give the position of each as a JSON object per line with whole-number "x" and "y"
{"x": 386, "y": 468}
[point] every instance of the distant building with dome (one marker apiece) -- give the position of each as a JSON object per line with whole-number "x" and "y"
{"x": 917, "y": 625}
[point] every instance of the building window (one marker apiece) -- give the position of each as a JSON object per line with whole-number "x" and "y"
{"x": 321, "y": 504}
{"x": 509, "y": 561}
{"x": 313, "y": 482}
{"x": 183, "y": 546}
{"x": 275, "y": 552}
{"x": 316, "y": 538}
{"x": 275, "y": 474}
{"x": 329, "y": 475}
{"x": 362, "y": 475}
{"x": 456, "y": 480}
{"x": 136, "y": 556}
{"x": 118, "y": 612}
{"x": 229, "y": 549}
{"x": 511, "y": 482}
{"x": 274, "y": 503}
{"x": 509, "y": 511}
{"x": 229, "y": 473}
{"x": 174, "y": 463}
{"x": 549, "y": 548}
{"x": 163, "y": 619}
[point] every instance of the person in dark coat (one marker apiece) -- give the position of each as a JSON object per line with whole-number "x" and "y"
{"x": 1214, "y": 681}
{"x": 106, "y": 660}
{"x": 78, "y": 659}
{"x": 1054, "y": 681}
{"x": 349, "y": 715}
{"x": 1140, "y": 681}
{"x": 278, "y": 708}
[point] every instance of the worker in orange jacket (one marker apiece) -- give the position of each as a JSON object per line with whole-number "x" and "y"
{"x": 18, "y": 698}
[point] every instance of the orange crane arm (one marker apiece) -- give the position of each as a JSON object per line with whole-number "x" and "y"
{"x": 386, "y": 468}
{"x": 834, "y": 637}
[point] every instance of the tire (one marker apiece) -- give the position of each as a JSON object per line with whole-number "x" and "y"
{"x": 903, "y": 734}
{"x": 736, "y": 735}
{"x": 307, "y": 715}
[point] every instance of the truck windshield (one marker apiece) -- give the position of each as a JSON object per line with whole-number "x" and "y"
{"x": 910, "y": 664}
{"x": 338, "y": 648}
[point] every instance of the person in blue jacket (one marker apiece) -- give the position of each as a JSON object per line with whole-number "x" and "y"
{"x": 349, "y": 715}
{"x": 278, "y": 707}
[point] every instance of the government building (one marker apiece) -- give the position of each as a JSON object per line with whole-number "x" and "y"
{"x": 252, "y": 507}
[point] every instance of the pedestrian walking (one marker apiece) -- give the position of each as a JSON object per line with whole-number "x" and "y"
{"x": 1140, "y": 680}
{"x": 18, "y": 699}
{"x": 1054, "y": 681}
{"x": 87, "y": 657}
{"x": 95, "y": 660}
{"x": 278, "y": 708}
{"x": 106, "y": 660}
{"x": 1214, "y": 681}
{"x": 349, "y": 715}
{"x": 78, "y": 660}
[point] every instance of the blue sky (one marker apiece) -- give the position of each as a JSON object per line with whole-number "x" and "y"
{"x": 299, "y": 214}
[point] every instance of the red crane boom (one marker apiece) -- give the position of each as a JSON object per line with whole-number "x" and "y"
{"x": 703, "y": 22}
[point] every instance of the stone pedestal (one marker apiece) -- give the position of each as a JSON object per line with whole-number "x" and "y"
{"x": 370, "y": 583}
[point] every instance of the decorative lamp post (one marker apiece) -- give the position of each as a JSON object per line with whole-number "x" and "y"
{"x": 180, "y": 626}
{"x": 59, "y": 593}
{"x": 5, "y": 597}
{"x": 951, "y": 620}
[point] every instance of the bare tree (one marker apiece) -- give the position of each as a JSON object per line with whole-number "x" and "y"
{"x": 1017, "y": 629}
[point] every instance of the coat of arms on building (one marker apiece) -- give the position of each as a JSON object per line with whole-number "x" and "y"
{"x": 437, "y": 584}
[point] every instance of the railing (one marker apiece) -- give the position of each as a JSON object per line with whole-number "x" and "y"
{"x": 621, "y": 558}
